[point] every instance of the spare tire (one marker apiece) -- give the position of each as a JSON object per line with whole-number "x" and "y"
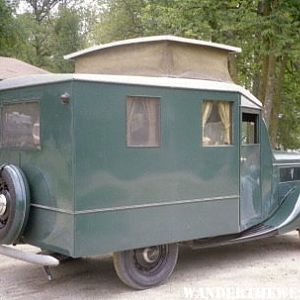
{"x": 14, "y": 204}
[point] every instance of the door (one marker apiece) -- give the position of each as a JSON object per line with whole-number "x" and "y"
{"x": 250, "y": 190}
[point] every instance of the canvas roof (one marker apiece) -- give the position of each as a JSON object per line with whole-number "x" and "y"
{"x": 152, "y": 39}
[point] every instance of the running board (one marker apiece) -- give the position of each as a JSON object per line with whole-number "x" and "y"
{"x": 256, "y": 232}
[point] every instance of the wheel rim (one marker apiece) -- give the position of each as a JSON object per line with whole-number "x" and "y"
{"x": 14, "y": 204}
{"x": 149, "y": 260}
{"x": 4, "y": 203}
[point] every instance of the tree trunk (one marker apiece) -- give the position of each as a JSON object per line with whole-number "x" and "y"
{"x": 277, "y": 102}
{"x": 270, "y": 88}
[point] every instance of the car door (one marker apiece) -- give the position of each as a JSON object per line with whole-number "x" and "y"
{"x": 250, "y": 188}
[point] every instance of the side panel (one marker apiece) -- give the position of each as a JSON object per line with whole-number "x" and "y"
{"x": 132, "y": 197}
{"x": 48, "y": 170}
{"x": 134, "y": 228}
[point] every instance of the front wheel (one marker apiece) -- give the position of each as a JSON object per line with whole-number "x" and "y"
{"x": 146, "y": 267}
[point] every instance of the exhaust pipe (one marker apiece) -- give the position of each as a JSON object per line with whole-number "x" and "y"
{"x": 38, "y": 259}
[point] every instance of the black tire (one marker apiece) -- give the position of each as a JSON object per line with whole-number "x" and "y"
{"x": 14, "y": 204}
{"x": 146, "y": 267}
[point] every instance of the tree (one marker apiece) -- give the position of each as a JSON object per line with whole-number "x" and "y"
{"x": 120, "y": 19}
{"x": 8, "y": 34}
{"x": 41, "y": 27}
{"x": 46, "y": 31}
{"x": 66, "y": 38}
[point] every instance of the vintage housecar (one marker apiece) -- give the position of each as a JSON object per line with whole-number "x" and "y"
{"x": 149, "y": 144}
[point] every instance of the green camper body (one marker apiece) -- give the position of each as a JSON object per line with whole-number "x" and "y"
{"x": 73, "y": 182}
{"x": 161, "y": 149}
{"x": 91, "y": 194}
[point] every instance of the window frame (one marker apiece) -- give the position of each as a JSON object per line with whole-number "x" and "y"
{"x": 142, "y": 98}
{"x": 283, "y": 179}
{"x": 16, "y": 102}
{"x": 257, "y": 113}
{"x": 232, "y": 105}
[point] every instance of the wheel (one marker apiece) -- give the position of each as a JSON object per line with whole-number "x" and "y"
{"x": 146, "y": 267}
{"x": 14, "y": 204}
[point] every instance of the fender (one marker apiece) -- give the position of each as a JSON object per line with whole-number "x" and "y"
{"x": 287, "y": 217}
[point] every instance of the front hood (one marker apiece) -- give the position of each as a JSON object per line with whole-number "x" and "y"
{"x": 286, "y": 157}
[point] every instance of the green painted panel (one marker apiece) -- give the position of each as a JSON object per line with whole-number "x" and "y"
{"x": 49, "y": 170}
{"x": 106, "y": 232}
{"x": 50, "y": 230}
{"x": 109, "y": 174}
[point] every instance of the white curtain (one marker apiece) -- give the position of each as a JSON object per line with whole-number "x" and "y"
{"x": 207, "y": 108}
{"x": 224, "y": 109}
{"x": 142, "y": 122}
{"x": 206, "y": 111}
{"x": 152, "y": 114}
{"x": 130, "y": 120}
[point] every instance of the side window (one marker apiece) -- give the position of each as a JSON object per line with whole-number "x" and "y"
{"x": 249, "y": 128}
{"x": 216, "y": 123}
{"x": 21, "y": 125}
{"x": 289, "y": 174}
{"x": 143, "y": 121}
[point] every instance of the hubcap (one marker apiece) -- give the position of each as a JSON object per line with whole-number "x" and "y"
{"x": 150, "y": 255}
{"x": 150, "y": 259}
{"x": 3, "y": 204}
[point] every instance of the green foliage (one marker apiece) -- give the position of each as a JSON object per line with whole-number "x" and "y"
{"x": 7, "y": 28}
{"x": 289, "y": 125}
{"x": 42, "y": 35}
{"x": 119, "y": 20}
{"x": 66, "y": 38}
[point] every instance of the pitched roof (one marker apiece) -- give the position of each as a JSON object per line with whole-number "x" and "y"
{"x": 12, "y": 67}
{"x": 150, "y": 39}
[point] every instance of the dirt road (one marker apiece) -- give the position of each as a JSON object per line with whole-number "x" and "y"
{"x": 266, "y": 269}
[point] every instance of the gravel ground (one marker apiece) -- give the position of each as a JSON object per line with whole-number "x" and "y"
{"x": 265, "y": 269}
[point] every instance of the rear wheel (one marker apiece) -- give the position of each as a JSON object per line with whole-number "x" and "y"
{"x": 14, "y": 203}
{"x": 146, "y": 267}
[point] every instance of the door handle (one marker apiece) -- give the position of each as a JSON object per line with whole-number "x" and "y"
{"x": 243, "y": 159}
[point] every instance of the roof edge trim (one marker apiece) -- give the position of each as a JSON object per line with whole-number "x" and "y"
{"x": 157, "y": 38}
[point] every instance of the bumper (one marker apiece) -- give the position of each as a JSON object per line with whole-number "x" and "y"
{"x": 38, "y": 259}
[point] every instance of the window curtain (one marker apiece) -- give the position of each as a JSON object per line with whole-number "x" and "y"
{"x": 152, "y": 115}
{"x": 224, "y": 109}
{"x": 207, "y": 108}
{"x": 130, "y": 120}
{"x": 142, "y": 122}
{"x": 206, "y": 111}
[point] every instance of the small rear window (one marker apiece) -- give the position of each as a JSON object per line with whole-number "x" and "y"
{"x": 21, "y": 125}
{"x": 289, "y": 174}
